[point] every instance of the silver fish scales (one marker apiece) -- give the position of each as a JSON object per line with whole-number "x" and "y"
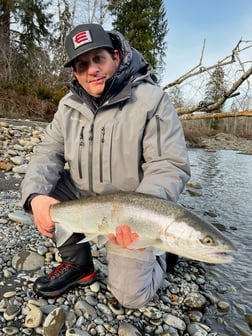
{"x": 160, "y": 224}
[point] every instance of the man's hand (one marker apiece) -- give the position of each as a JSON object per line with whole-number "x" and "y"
{"x": 41, "y": 211}
{"x": 123, "y": 237}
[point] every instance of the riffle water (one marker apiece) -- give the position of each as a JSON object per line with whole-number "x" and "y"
{"x": 225, "y": 200}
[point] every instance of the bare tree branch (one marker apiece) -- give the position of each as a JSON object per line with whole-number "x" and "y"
{"x": 233, "y": 58}
{"x": 215, "y": 106}
{"x": 73, "y": 13}
{"x": 199, "y": 69}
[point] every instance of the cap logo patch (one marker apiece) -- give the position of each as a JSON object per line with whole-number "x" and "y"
{"x": 81, "y": 38}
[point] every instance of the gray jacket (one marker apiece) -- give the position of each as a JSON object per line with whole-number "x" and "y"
{"x": 131, "y": 139}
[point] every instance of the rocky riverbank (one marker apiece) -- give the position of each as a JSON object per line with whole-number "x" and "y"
{"x": 177, "y": 309}
{"x": 181, "y": 307}
{"x": 226, "y": 142}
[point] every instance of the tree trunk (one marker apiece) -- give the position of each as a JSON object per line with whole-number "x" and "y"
{"x": 4, "y": 40}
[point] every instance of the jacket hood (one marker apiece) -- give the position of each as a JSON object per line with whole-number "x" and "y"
{"x": 132, "y": 61}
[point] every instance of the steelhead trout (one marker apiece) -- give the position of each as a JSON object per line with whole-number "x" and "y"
{"x": 161, "y": 224}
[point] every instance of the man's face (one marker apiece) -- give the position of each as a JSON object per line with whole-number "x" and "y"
{"x": 93, "y": 68}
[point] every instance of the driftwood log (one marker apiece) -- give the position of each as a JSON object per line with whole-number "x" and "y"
{"x": 216, "y": 115}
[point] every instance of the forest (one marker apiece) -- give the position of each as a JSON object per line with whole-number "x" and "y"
{"x": 33, "y": 79}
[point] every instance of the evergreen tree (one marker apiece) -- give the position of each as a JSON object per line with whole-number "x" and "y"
{"x": 144, "y": 25}
{"x": 215, "y": 87}
{"x": 23, "y": 27}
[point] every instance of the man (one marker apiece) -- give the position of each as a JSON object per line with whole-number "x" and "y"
{"x": 116, "y": 130}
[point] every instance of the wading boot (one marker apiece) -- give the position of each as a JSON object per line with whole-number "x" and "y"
{"x": 64, "y": 277}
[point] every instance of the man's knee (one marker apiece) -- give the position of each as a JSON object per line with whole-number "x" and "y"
{"x": 134, "y": 299}
{"x": 133, "y": 278}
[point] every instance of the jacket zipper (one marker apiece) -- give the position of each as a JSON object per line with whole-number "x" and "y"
{"x": 90, "y": 154}
{"x": 158, "y": 136}
{"x": 81, "y": 145}
{"x": 101, "y": 152}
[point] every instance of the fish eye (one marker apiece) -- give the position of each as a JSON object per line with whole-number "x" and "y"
{"x": 208, "y": 240}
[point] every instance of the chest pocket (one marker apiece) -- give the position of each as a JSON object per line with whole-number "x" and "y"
{"x": 102, "y": 159}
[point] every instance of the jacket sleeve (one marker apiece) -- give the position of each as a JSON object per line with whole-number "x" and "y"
{"x": 166, "y": 165}
{"x": 46, "y": 164}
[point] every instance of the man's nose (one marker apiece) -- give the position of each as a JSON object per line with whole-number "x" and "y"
{"x": 92, "y": 67}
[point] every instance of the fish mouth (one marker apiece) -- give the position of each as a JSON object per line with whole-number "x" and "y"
{"x": 223, "y": 258}
{"x": 219, "y": 257}
{"x": 210, "y": 256}
{"x": 221, "y": 254}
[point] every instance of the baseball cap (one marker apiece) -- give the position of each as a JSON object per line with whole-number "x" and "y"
{"x": 84, "y": 38}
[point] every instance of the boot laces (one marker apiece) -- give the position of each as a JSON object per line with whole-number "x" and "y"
{"x": 59, "y": 270}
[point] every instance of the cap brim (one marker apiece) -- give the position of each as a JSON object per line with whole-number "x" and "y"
{"x": 69, "y": 63}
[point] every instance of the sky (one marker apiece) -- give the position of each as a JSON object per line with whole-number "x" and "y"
{"x": 222, "y": 23}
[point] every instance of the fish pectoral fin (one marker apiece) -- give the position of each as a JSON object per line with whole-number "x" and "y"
{"x": 61, "y": 234}
{"x": 157, "y": 251}
{"x": 143, "y": 243}
{"x": 88, "y": 237}
{"x": 156, "y": 244}
{"x": 99, "y": 240}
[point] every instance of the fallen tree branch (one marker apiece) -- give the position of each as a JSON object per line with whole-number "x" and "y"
{"x": 219, "y": 102}
{"x": 199, "y": 69}
{"x": 216, "y": 115}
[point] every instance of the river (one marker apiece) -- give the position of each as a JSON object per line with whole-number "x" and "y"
{"x": 225, "y": 200}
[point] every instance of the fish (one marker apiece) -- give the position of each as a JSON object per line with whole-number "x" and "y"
{"x": 162, "y": 225}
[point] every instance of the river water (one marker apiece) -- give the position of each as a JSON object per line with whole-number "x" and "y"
{"x": 225, "y": 200}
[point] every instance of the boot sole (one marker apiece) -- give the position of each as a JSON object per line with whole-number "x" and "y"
{"x": 85, "y": 281}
